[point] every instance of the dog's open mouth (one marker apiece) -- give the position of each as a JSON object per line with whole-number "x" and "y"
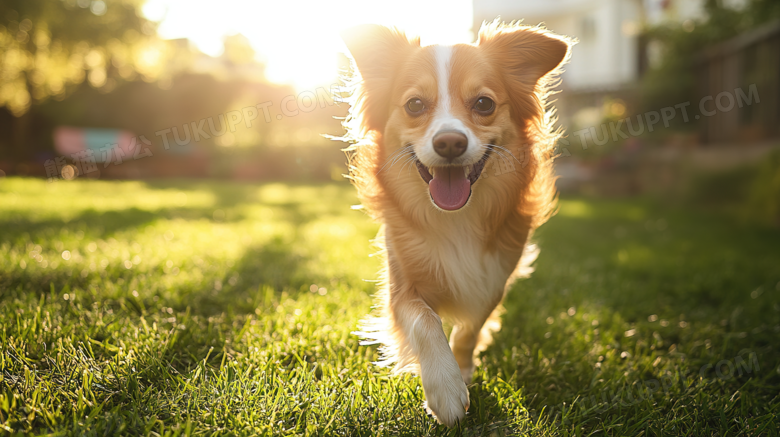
{"x": 450, "y": 186}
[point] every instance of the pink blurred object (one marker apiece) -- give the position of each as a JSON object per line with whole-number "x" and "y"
{"x": 70, "y": 140}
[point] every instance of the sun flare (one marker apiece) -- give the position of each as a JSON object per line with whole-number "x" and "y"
{"x": 299, "y": 41}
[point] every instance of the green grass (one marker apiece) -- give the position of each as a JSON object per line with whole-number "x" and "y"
{"x": 185, "y": 308}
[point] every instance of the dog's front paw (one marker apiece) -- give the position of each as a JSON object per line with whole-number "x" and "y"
{"x": 447, "y": 397}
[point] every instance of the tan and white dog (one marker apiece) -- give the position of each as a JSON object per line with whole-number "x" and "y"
{"x": 426, "y": 122}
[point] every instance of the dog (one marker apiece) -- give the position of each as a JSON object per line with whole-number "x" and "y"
{"x": 426, "y": 124}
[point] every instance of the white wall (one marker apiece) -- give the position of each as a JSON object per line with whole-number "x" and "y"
{"x": 679, "y": 10}
{"x": 607, "y": 54}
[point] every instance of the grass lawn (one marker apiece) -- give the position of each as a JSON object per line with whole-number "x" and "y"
{"x": 204, "y": 308}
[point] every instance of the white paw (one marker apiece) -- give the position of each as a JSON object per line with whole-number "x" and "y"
{"x": 447, "y": 397}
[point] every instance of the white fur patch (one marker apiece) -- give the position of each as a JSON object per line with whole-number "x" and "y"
{"x": 443, "y": 63}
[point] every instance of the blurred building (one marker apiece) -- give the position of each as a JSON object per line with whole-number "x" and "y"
{"x": 607, "y": 56}
{"x": 733, "y": 84}
{"x": 610, "y": 54}
{"x": 613, "y": 53}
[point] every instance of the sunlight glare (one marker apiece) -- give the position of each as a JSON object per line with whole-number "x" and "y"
{"x": 299, "y": 41}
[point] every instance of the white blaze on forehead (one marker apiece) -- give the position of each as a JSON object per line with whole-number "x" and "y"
{"x": 443, "y": 118}
{"x": 443, "y": 61}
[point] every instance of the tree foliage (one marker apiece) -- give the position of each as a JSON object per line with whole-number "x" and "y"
{"x": 47, "y": 47}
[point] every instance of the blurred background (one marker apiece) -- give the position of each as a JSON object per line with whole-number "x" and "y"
{"x": 668, "y": 98}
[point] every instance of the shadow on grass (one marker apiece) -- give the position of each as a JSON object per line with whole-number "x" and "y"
{"x": 101, "y": 224}
{"x": 708, "y": 283}
{"x": 273, "y": 266}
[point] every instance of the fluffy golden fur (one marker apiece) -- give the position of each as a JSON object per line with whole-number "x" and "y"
{"x": 455, "y": 264}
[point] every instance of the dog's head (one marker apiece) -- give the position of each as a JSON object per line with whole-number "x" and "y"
{"x": 445, "y": 112}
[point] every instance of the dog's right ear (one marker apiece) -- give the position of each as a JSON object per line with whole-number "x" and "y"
{"x": 377, "y": 52}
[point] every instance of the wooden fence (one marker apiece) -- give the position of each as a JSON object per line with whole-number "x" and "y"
{"x": 739, "y": 88}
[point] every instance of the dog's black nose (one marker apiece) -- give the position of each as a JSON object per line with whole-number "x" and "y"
{"x": 450, "y": 145}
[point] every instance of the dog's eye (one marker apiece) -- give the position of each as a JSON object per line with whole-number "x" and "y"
{"x": 484, "y": 106}
{"x": 415, "y": 106}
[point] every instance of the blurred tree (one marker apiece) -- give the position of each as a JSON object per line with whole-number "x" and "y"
{"x": 238, "y": 50}
{"x": 672, "y": 80}
{"x": 49, "y": 47}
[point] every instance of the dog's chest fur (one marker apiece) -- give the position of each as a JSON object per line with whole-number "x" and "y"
{"x": 450, "y": 264}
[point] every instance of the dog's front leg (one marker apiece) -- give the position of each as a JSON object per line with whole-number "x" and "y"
{"x": 446, "y": 394}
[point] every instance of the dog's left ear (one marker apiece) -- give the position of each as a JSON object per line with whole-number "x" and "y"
{"x": 377, "y": 51}
{"x": 526, "y": 53}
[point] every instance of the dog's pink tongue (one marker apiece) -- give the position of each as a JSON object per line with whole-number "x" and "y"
{"x": 449, "y": 188}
